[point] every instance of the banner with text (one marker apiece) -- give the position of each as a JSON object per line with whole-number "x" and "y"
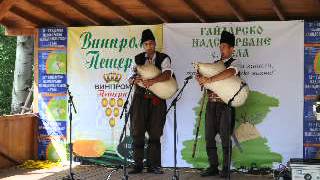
{"x": 52, "y": 89}
{"x": 311, "y": 127}
{"x": 270, "y": 59}
{"x": 100, "y": 61}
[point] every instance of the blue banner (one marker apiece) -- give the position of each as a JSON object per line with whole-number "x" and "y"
{"x": 53, "y": 108}
{"x": 311, "y": 127}
{"x": 311, "y": 70}
{"x": 52, "y": 37}
{"x": 52, "y": 71}
{"x": 52, "y": 97}
{"x": 53, "y": 128}
{"x": 312, "y": 32}
{"x": 52, "y": 135}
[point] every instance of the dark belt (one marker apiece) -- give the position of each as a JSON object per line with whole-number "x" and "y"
{"x": 215, "y": 100}
{"x": 141, "y": 90}
{"x": 148, "y": 95}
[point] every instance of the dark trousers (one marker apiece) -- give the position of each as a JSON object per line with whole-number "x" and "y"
{"x": 147, "y": 115}
{"x": 219, "y": 119}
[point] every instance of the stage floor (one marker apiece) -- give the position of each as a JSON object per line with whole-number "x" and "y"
{"x": 85, "y": 172}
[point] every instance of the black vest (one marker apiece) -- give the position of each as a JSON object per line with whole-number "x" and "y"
{"x": 141, "y": 59}
{"x": 228, "y": 63}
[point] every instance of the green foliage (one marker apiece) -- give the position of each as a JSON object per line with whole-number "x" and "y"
{"x": 7, "y": 59}
{"x": 255, "y": 109}
{"x": 201, "y": 159}
{"x": 56, "y": 63}
{"x": 255, "y": 151}
{"x": 257, "y": 106}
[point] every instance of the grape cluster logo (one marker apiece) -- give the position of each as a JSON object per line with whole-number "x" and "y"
{"x": 112, "y": 108}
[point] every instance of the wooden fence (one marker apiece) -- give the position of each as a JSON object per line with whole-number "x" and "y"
{"x": 18, "y": 139}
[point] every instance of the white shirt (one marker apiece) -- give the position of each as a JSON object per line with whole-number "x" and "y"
{"x": 232, "y": 65}
{"x": 165, "y": 65}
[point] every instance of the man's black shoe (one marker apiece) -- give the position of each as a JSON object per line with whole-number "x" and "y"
{"x": 136, "y": 170}
{"x": 211, "y": 171}
{"x": 155, "y": 170}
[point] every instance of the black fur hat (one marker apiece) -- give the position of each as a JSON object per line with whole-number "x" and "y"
{"x": 228, "y": 38}
{"x": 147, "y": 35}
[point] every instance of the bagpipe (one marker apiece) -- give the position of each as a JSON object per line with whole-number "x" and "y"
{"x": 163, "y": 89}
{"x": 233, "y": 90}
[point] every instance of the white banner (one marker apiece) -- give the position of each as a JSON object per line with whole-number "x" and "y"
{"x": 270, "y": 58}
{"x": 100, "y": 61}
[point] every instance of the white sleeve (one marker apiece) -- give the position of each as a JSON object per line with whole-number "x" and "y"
{"x": 166, "y": 65}
{"x": 235, "y": 68}
{"x": 234, "y": 65}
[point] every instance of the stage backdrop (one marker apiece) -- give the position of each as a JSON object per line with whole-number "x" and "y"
{"x": 100, "y": 61}
{"x": 270, "y": 59}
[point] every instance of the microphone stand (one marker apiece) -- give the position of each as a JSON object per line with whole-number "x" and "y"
{"x": 230, "y": 130}
{"x": 124, "y": 132}
{"x": 71, "y": 107}
{"x": 174, "y": 105}
{"x": 229, "y": 143}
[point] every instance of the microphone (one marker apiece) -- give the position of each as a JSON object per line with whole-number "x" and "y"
{"x": 189, "y": 77}
{"x": 135, "y": 73}
{"x": 133, "y": 76}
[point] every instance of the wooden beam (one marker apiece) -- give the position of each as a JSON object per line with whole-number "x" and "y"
{"x": 5, "y": 6}
{"x": 195, "y": 10}
{"x": 276, "y": 7}
{"x": 155, "y": 11}
{"x": 117, "y": 11}
{"x": 50, "y": 11}
{"x": 235, "y": 10}
{"x": 14, "y": 29}
{"x": 10, "y": 31}
{"x": 7, "y": 23}
{"x": 31, "y": 19}
{"x": 83, "y": 12}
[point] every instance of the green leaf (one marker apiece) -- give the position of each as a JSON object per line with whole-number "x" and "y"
{"x": 255, "y": 109}
{"x": 7, "y": 60}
